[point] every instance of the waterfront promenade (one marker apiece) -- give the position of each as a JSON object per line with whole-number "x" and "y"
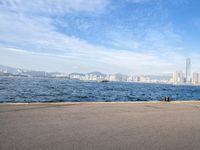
{"x": 100, "y": 126}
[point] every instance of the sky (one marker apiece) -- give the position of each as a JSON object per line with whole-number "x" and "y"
{"x": 110, "y": 36}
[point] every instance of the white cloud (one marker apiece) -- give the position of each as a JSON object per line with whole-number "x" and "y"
{"x": 39, "y": 33}
{"x": 51, "y": 7}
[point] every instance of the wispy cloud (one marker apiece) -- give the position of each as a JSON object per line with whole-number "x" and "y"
{"x": 49, "y": 7}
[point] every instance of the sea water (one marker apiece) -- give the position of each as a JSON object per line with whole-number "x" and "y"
{"x": 62, "y": 90}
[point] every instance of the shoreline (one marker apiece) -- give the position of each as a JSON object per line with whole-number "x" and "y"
{"x": 118, "y": 102}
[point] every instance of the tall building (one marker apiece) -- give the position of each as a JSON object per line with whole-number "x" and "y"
{"x": 188, "y": 70}
{"x": 195, "y": 78}
{"x": 178, "y": 77}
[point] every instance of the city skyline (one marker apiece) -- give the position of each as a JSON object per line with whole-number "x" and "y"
{"x": 177, "y": 78}
{"x": 189, "y": 77}
{"x": 127, "y": 36}
{"x": 6, "y": 71}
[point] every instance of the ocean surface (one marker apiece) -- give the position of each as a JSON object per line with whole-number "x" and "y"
{"x": 61, "y": 90}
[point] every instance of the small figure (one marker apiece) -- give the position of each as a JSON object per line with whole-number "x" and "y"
{"x": 166, "y": 99}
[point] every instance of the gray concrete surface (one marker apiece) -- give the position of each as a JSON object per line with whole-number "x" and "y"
{"x": 100, "y": 126}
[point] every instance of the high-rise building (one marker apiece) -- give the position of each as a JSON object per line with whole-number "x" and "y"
{"x": 178, "y": 77}
{"x": 188, "y": 70}
{"x": 195, "y": 78}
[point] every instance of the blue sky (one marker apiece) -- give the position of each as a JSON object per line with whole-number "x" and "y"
{"x": 111, "y": 36}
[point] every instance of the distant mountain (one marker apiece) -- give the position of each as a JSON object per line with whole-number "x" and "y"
{"x": 11, "y": 71}
{"x": 7, "y": 69}
{"x": 75, "y": 73}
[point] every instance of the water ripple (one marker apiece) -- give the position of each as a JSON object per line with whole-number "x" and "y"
{"x": 59, "y": 90}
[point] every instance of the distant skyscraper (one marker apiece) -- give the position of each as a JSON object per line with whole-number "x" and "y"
{"x": 195, "y": 78}
{"x": 188, "y": 70}
{"x": 178, "y": 77}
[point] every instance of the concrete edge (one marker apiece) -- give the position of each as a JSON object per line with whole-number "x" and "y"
{"x": 136, "y": 102}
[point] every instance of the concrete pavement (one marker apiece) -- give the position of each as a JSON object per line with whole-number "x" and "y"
{"x": 100, "y": 126}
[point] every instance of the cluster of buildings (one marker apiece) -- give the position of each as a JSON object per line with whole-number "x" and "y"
{"x": 93, "y": 76}
{"x": 179, "y": 77}
{"x": 97, "y": 76}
